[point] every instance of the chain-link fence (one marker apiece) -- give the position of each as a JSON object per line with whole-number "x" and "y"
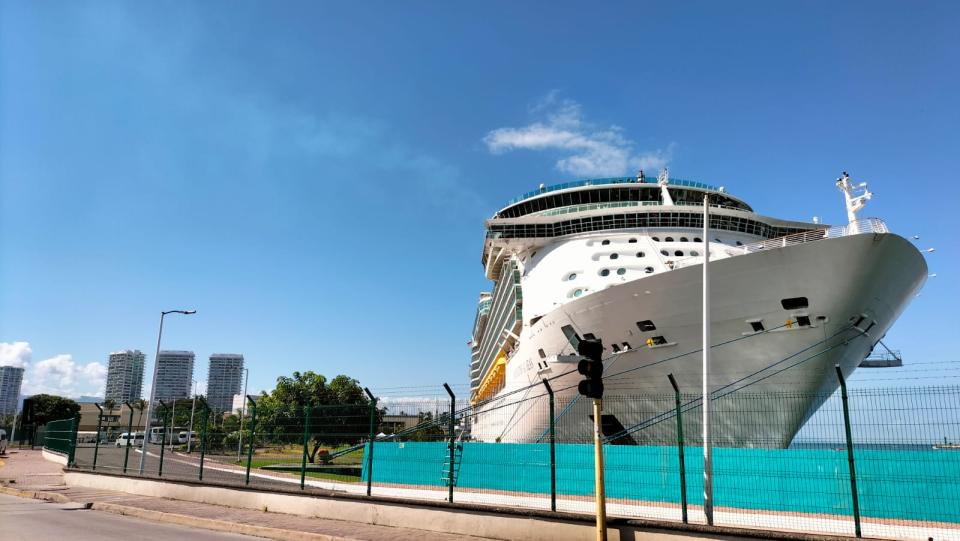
{"x": 881, "y": 461}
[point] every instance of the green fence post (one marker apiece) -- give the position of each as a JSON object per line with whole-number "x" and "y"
{"x": 72, "y": 440}
{"x": 96, "y": 445}
{"x": 452, "y": 447}
{"x": 373, "y": 435}
{"x": 853, "y": 470}
{"x": 203, "y": 436}
{"x": 553, "y": 449}
{"x": 163, "y": 436}
{"x": 306, "y": 442}
{"x": 683, "y": 467}
{"x": 253, "y": 428}
{"x": 126, "y": 453}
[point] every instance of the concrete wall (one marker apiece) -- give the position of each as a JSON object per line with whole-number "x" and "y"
{"x": 454, "y": 520}
{"x": 53, "y": 456}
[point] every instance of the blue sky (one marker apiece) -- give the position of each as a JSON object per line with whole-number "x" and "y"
{"x": 313, "y": 177}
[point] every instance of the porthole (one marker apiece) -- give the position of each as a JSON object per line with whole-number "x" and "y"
{"x": 573, "y": 276}
{"x": 684, "y": 239}
{"x": 621, "y": 271}
{"x": 694, "y": 253}
{"x": 605, "y": 242}
{"x": 605, "y": 272}
{"x": 664, "y": 252}
{"x": 632, "y": 241}
{"x": 668, "y": 239}
{"x": 614, "y": 256}
{"x": 697, "y": 239}
{"x": 577, "y": 292}
{"x": 739, "y": 243}
{"x": 641, "y": 254}
{"x": 678, "y": 253}
{"x": 655, "y": 239}
{"x": 648, "y": 270}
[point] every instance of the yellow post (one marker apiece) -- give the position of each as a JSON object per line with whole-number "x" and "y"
{"x": 598, "y": 474}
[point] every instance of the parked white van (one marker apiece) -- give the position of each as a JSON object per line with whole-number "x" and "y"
{"x": 182, "y": 437}
{"x": 125, "y": 439}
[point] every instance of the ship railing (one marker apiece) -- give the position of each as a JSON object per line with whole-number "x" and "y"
{"x": 624, "y": 204}
{"x": 860, "y": 227}
{"x": 867, "y": 225}
{"x": 674, "y": 182}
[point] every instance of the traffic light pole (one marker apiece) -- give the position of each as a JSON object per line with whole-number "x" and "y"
{"x": 598, "y": 475}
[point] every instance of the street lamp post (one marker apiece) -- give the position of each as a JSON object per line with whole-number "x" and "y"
{"x": 153, "y": 387}
{"x": 243, "y": 411}
{"x": 193, "y": 409}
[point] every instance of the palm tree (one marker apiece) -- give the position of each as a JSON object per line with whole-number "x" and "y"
{"x": 140, "y": 404}
{"x": 110, "y": 404}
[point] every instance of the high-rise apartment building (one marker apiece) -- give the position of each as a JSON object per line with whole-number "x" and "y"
{"x": 125, "y": 376}
{"x": 174, "y": 374}
{"x": 11, "y": 377}
{"x": 224, "y": 380}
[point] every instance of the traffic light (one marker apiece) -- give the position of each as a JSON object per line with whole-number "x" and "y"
{"x": 591, "y": 367}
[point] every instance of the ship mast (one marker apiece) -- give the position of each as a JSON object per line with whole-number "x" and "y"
{"x": 854, "y": 202}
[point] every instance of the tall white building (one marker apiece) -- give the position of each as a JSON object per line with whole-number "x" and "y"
{"x": 174, "y": 374}
{"x": 224, "y": 380}
{"x": 125, "y": 375}
{"x": 11, "y": 377}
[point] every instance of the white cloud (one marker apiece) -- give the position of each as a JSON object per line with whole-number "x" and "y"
{"x": 588, "y": 150}
{"x": 61, "y": 375}
{"x": 16, "y": 354}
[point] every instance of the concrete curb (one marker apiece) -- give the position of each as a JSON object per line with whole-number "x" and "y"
{"x": 216, "y": 525}
{"x": 36, "y": 495}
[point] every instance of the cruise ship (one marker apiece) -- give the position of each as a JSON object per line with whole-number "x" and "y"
{"x": 621, "y": 260}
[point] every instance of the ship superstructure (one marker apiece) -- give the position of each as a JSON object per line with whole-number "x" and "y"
{"x": 620, "y": 259}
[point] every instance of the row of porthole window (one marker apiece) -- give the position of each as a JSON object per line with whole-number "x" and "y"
{"x": 679, "y": 253}
{"x": 682, "y": 239}
{"x": 606, "y": 272}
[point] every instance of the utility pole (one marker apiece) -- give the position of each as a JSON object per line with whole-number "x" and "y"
{"x": 707, "y": 444}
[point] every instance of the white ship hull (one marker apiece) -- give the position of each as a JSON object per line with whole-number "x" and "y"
{"x": 868, "y": 278}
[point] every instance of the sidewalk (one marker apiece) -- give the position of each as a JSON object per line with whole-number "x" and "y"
{"x": 29, "y": 472}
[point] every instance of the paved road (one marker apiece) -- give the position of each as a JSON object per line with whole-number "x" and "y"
{"x": 29, "y": 520}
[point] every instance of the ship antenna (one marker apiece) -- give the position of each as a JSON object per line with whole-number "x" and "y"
{"x": 854, "y": 202}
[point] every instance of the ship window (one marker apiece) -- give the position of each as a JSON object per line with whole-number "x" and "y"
{"x": 803, "y": 321}
{"x": 664, "y": 252}
{"x": 646, "y": 325}
{"x": 678, "y": 253}
{"x": 605, "y": 272}
{"x": 794, "y": 303}
{"x": 684, "y": 239}
{"x": 573, "y": 276}
{"x": 614, "y": 256}
{"x": 694, "y": 253}
{"x": 632, "y": 241}
{"x": 668, "y": 239}
{"x": 616, "y": 348}
{"x": 697, "y": 239}
{"x": 757, "y": 326}
{"x": 640, "y": 254}
{"x": 648, "y": 270}
{"x": 739, "y": 243}
{"x": 543, "y": 354}
{"x": 571, "y": 335}
{"x": 656, "y": 341}
{"x": 718, "y": 240}
{"x": 577, "y": 292}
{"x": 626, "y": 346}
{"x": 655, "y": 239}
{"x": 621, "y": 271}
{"x": 605, "y": 242}
{"x": 589, "y": 336}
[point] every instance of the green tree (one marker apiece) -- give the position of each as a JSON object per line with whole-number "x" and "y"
{"x": 48, "y": 407}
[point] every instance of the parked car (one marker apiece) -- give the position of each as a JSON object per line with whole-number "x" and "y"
{"x": 182, "y": 436}
{"x": 3, "y": 441}
{"x": 125, "y": 439}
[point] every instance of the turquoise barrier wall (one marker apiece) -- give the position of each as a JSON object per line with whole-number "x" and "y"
{"x": 900, "y": 484}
